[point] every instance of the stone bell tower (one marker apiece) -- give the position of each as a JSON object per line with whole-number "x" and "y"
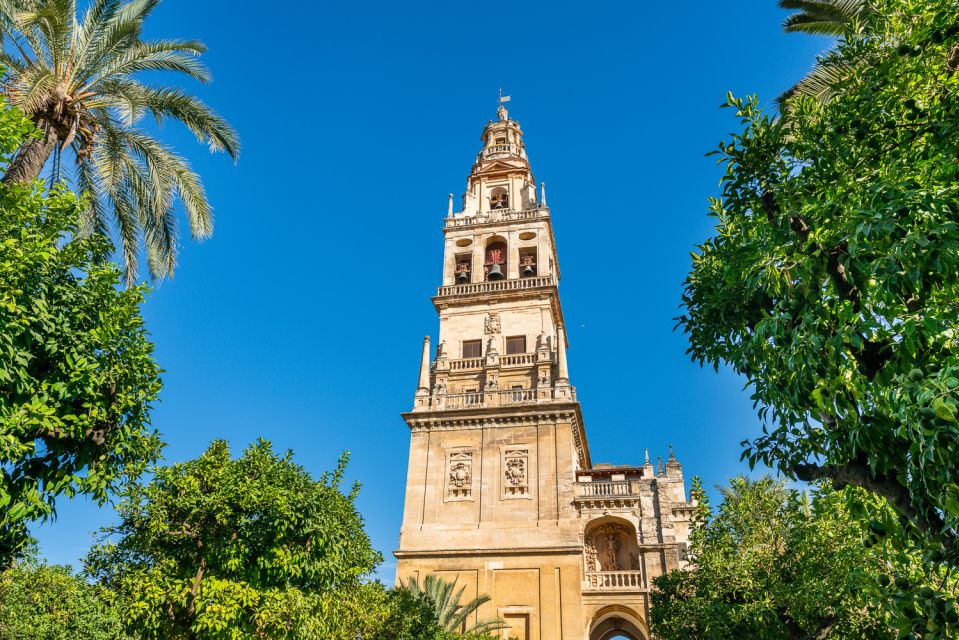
{"x": 501, "y": 493}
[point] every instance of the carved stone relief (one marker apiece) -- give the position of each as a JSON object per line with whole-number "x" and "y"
{"x": 493, "y": 325}
{"x": 590, "y": 552}
{"x": 459, "y": 481}
{"x": 516, "y": 467}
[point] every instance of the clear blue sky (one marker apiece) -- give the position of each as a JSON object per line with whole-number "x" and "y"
{"x": 302, "y": 319}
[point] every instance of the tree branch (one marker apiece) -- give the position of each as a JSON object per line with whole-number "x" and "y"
{"x": 873, "y": 355}
{"x": 857, "y": 473}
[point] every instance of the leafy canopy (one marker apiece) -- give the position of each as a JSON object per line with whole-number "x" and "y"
{"x": 832, "y": 280}
{"x": 77, "y": 374}
{"x": 773, "y": 563}
{"x": 80, "y": 79}
{"x": 43, "y": 602}
{"x": 228, "y": 548}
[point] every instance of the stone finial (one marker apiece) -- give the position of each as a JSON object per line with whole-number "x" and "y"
{"x": 671, "y": 456}
{"x": 542, "y": 194}
{"x": 647, "y": 456}
{"x": 562, "y": 373}
{"x": 424, "y": 384}
{"x": 449, "y": 209}
{"x": 659, "y": 465}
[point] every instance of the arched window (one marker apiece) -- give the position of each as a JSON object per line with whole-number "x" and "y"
{"x": 494, "y": 265}
{"x": 499, "y": 198}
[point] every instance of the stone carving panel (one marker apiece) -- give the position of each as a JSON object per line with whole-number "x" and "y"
{"x": 459, "y": 475}
{"x": 493, "y": 325}
{"x": 516, "y": 471}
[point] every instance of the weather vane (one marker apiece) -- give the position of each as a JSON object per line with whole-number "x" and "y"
{"x": 503, "y": 98}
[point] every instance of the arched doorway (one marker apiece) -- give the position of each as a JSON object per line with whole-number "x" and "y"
{"x": 617, "y": 622}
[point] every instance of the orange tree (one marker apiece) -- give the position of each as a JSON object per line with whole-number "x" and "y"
{"x": 77, "y": 374}
{"x": 832, "y": 280}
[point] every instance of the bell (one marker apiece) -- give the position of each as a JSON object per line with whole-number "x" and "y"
{"x": 495, "y": 272}
{"x": 462, "y": 277}
{"x": 529, "y": 271}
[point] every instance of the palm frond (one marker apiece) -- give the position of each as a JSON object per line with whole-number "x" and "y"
{"x": 822, "y": 17}
{"x": 821, "y": 83}
{"x": 172, "y": 55}
{"x": 183, "y": 182}
{"x": 89, "y": 184}
{"x": 450, "y": 612}
{"x": 206, "y": 125}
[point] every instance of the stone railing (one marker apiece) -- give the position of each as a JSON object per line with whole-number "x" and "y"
{"x": 603, "y": 489}
{"x": 497, "y": 215}
{"x": 466, "y": 363}
{"x": 469, "y": 364}
{"x": 494, "y": 286}
{"x": 518, "y": 359}
{"x": 501, "y": 149}
{"x": 501, "y": 397}
{"x": 613, "y": 581}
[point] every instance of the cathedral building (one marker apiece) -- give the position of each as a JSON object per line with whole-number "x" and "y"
{"x": 502, "y": 495}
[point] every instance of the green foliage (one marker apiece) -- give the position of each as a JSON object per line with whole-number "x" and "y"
{"x": 44, "y": 602}
{"x": 832, "y": 282}
{"x": 451, "y": 613}
{"x": 223, "y": 548}
{"x": 80, "y": 79}
{"x": 396, "y": 614}
{"x": 774, "y": 563}
{"x": 77, "y": 374}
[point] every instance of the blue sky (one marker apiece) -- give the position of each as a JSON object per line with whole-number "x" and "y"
{"x": 301, "y": 320}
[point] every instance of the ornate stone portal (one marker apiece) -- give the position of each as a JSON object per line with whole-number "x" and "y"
{"x": 501, "y": 493}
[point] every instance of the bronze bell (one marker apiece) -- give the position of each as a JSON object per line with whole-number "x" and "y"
{"x": 495, "y": 273}
{"x": 463, "y": 277}
{"x": 529, "y": 271}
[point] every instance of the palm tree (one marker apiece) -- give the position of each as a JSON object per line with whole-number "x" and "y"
{"x": 824, "y": 18}
{"x": 452, "y": 614}
{"x": 78, "y": 80}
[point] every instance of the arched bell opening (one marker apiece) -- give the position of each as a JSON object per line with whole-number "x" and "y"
{"x": 610, "y": 545}
{"x": 617, "y": 621}
{"x": 494, "y": 265}
{"x": 499, "y": 198}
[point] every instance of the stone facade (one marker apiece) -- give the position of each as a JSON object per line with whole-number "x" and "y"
{"x": 501, "y": 493}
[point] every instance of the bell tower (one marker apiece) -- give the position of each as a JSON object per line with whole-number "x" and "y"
{"x": 498, "y": 451}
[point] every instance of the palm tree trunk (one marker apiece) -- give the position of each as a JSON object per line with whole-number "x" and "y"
{"x": 32, "y": 155}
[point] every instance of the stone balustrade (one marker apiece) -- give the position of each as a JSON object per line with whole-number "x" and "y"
{"x": 463, "y": 364}
{"x": 469, "y": 364}
{"x": 494, "y": 286}
{"x": 613, "y": 581}
{"x": 497, "y": 215}
{"x": 501, "y": 397}
{"x": 495, "y": 150}
{"x": 518, "y": 360}
{"x": 604, "y": 489}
